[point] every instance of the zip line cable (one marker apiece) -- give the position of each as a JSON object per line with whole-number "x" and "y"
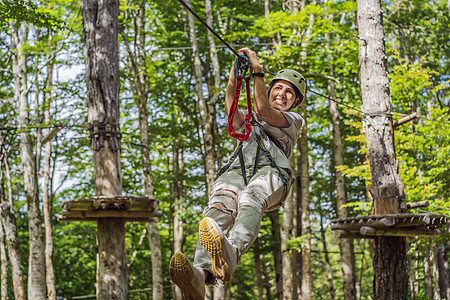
{"x": 216, "y": 34}
{"x": 283, "y": 43}
{"x": 209, "y": 28}
{"x": 334, "y": 100}
{"x": 28, "y": 128}
{"x": 265, "y": 71}
{"x": 237, "y": 54}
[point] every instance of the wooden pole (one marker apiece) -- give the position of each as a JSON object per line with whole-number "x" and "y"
{"x": 100, "y": 35}
{"x": 390, "y": 277}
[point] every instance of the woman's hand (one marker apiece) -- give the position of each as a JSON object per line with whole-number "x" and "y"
{"x": 251, "y": 55}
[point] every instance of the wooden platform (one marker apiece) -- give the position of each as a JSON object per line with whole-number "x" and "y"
{"x": 130, "y": 208}
{"x": 409, "y": 225}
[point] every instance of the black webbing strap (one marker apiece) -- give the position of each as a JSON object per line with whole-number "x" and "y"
{"x": 261, "y": 147}
{"x": 269, "y": 157}
{"x": 242, "y": 162}
{"x": 232, "y": 158}
{"x": 258, "y": 150}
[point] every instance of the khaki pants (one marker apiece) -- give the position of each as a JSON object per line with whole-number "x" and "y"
{"x": 244, "y": 207}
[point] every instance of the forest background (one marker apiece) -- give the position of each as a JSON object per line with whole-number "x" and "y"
{"x": 173, "y": 74}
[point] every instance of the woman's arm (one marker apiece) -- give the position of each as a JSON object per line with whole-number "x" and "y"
{"x": 239, "y": 116}
{"x": 262, "y": 103}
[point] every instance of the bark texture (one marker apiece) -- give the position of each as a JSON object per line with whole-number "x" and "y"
{"x": 3, "y": 246}
{"x": 305, "y": 210}
{"x": 303, "y": 168}
{"x": 327, "y": 259}
{"x": 274, "y": 219}
{"x": 205, "y": 117}
{"x": 390, "y": 277}
{"x": 47, "y": 196}
{"x": 178, "y": 207}
{"x": 444, "y": 284}
{"x": 214, "y": 88}
{"x": 345, "y": 245}
{"x": 12, "y": 237}
{"x": 259, "y": 273}
{"x": 36, "y": 267}
{"x": 285, "y": 253}
{"x": 100, "y": 35}
{"x": 4, "y": 266}
{"x": 141, "y": 86}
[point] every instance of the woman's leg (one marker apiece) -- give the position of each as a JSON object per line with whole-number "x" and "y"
{"x": 264, "y": 190}
{"x": 222, "y": 208}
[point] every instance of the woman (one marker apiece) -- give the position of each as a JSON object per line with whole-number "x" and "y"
{"x": 257, "y": 182}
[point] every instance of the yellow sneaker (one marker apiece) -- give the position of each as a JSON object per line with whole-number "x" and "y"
{"x": 189, "y": 279}
{"x": 223, "y": 254}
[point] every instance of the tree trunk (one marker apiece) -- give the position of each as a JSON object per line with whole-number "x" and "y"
{"x": 3, "y": 256}
{"x": 435, "y": 269}
{"x": 267, "y": 8}
{"x": 345, "y": 245}
{"x": 411, "y": 274}
{"x": 274, "y": 219}
{"x": 285, "y": 253}
{"x": 390, "y": 278}
{"x": 214, "y": 91}
{"x": 208, "y": 138}
{"x": 327, "y": 259}
{"x": 47, "y": 202}
{"x": 178, "y": 205}
{"x": 141, "y": 88}
{"x": 36, "y": 267}
{"x": 100, "y": 35}
{"x": 9, "y": 224}
{"x": 305, "y": 201}
{"x": 258, "y": 269}
{"x": 303, "y": 167}
{"x": 4, "y": 265}
{"x": 295, "y": 233}
{"x": 297, "y": 227}
{"x": 444, "y": 285}
{"x": 155, "y": 249}
{"x": 428, "y": 279}
{"x": 266, "y": 282}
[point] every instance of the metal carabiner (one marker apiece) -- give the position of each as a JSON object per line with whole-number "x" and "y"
{"x": 242, "y": 65}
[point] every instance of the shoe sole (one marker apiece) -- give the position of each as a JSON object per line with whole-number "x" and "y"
{"x": 210, "y": 239}
{"x": 182, "y": 275}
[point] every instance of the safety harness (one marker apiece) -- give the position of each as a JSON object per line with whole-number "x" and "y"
{"x": 242, "y": 65}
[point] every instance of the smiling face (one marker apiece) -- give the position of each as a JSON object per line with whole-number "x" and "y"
{"x": 282, "y": 95}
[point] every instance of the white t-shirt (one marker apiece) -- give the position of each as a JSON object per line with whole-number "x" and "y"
{"x": 287, "y": 137}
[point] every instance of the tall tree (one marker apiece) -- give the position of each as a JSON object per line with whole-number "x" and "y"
{"x": 304, "y": 195}
{"x": 345, "y": 245}
{"x": 36, "y": 272}
{"x": 141, "y": 88}
{"x": 9, "y": 227}
{"x": 100, "y": 32}
{"x": 303, "y": 167}
{"x": 3, "y": 262}
{"x": 390, "y": 277}
{"x": 47, "y": 192}
{"x": 205, "y": 116}
{"x": 277, "y": 256}
{"x": 286, "y": 226}
{"x": 444, "y": 284}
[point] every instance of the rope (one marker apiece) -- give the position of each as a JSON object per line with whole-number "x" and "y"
{"x": 248, "y": 117}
